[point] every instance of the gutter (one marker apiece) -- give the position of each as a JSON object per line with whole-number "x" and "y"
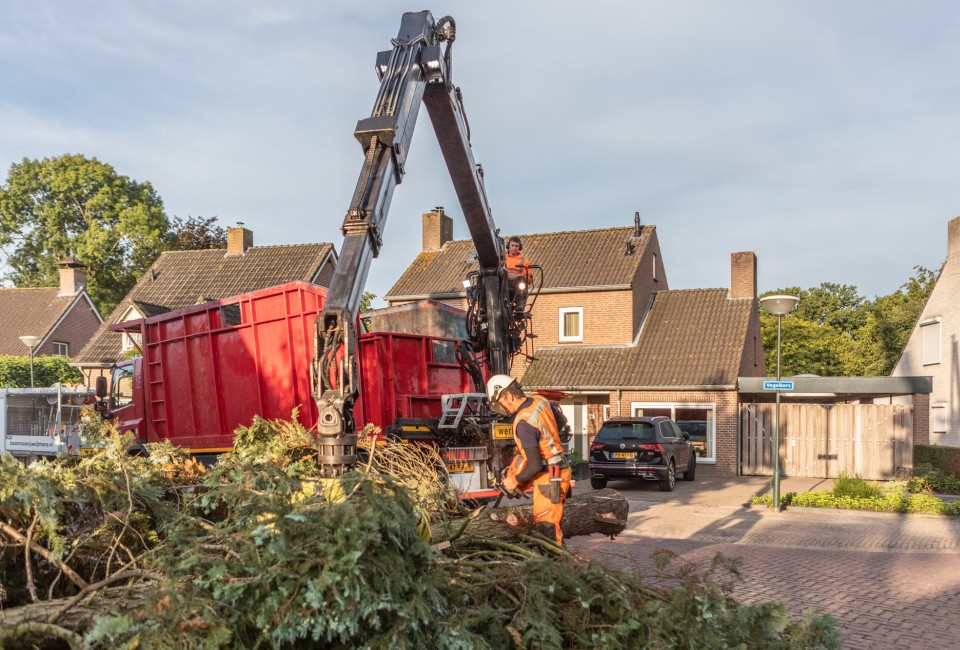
{"x": 462, "y": 294}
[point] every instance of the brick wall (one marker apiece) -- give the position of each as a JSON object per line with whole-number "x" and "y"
{"x": 727, "y": 418}
{"x": 752, "y": 363}
{"x": 437, "y": 230}
{"x": 325, "y": 274}
{"x": 607, "y": 316}
{"x": 921, "y": 419}
{"x": 645, "y": 282}
{"x": 75, "y": 329}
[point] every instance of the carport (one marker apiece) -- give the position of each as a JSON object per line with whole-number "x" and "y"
{"x": 833, "y": 425}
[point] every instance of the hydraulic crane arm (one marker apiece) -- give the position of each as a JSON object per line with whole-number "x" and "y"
{"x": 417, "y": 70}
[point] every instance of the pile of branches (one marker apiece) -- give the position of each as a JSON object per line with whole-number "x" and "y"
{"x": 120, "y": 550}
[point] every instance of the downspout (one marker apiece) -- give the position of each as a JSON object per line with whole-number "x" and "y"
{"x": 619, "y": 397}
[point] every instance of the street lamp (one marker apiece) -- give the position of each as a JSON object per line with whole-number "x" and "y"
{"x": 779, "y": 306}
{"x": 30, "y": 342}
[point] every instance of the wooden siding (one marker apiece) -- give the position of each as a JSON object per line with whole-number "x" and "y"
{"x": 874, "y": 441}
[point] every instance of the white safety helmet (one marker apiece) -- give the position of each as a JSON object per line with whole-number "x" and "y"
{"x": 495, "y": 387}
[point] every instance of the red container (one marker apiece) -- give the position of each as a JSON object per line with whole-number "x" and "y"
{"x": 210, "y": 368}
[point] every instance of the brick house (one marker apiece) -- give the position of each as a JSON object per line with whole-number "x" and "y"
{"x": 179, "y": 279}
{"x": 64, "y": 318}
{"x": 933, "y": 348}
{"x": 611, "y": 336}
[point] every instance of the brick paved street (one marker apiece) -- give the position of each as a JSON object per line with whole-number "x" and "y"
{"x": 891, "y": 581}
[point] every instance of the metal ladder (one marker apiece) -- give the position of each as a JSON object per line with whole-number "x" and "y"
{"x": 456, "y": 405}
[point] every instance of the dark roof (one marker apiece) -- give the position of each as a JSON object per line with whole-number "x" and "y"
{"x": 691, "y": 337}
{"x": 183, "y": 278}
{"x": 580, "y": 258}
{"x": 29, "y": 312}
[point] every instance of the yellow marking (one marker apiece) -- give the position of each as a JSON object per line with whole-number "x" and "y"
{"x": 459, "y": 467}
{"x": 502, "y": 432}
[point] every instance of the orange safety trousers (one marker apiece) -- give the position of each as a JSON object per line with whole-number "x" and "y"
{"x": 545, "y": 511}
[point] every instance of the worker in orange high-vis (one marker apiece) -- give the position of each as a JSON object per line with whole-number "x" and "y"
{"x": 518, "y": 272}
{"x": 539, "y": 460}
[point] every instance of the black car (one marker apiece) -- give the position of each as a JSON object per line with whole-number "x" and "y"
{"x": 652, "y": 449}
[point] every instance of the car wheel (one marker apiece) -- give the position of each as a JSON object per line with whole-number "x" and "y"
{"x": 670, "y": 480}
{"x": 598, "y": 483}
{"x": 691, "y": 469}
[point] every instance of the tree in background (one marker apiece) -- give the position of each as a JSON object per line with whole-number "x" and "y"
{"x": 835, "y": 331}
{"x": 196, "y": 233}
{"x": 15, "y": 372}
{"x": 71, "y": 204}
{"x": 889, "y": 322}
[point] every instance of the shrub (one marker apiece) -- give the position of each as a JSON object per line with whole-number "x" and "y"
{"x": 892, "y": 502}
{"x": 855, "y": 486}
{"x": 15, "y": 371}
{"x": 945, "y": 459}
{"x": 933, "y": 480}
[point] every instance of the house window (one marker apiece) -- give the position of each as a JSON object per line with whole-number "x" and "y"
{"x": 571, "y": 324}
{"x": 654, "y": 267}
{"x": 61, "y": 349}
{"x": 606, "y": 412}
{"x": 931, "y": 341}
{"x": 130, "y": 342}
{"x": 938, "y": 419}
{"x": 698, "y": 420}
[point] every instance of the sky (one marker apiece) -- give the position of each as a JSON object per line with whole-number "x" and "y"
{"x": 824, "y": 136}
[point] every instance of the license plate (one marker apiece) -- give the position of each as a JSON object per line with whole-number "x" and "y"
{"x": 503, "y": 432}
{"x": 459, "y": 467}
{"x": 624, "y": 454}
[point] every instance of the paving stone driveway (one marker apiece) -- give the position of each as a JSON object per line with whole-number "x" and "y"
{"x": 891, "y": 581}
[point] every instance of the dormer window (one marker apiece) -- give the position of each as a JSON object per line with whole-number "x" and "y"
{"x": 571, "y": 325}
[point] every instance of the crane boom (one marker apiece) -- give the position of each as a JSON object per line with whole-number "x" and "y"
{"x": 416, "y": 71}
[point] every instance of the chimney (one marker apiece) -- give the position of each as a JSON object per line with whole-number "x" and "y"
{"x": 73, "y": 276}
{"x": 637, "y": 227}
{"x": 239, "y": 239}
{"x": 953, "y": 239}
{"x": 743, "y": 275}
{"x": 437, "y": 229}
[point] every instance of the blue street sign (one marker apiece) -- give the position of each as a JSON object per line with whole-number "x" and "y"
{"x": 778, "y": 385}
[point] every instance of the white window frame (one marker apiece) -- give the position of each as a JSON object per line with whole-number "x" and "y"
{"x": 65, "y": 346}
{"x": 605, "y": 413}
{"x": 561, "y": 335}
{"x": 127, "y": 341}
{"x": 930, "y": 346}
{"x": 654, "y": 267}
{"x": 938, "y": 418}
{"x": 673, "y": 406}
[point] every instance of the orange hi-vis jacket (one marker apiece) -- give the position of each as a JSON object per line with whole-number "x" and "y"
{"x": 517, "y": 264}
{"x": 539, "y": 414}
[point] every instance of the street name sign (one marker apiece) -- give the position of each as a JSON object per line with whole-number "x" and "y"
{"x": 778, "y": 385}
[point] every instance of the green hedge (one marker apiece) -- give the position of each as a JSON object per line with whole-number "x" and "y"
{"x": 15, "y": 372}
{"x": 945, "y": 459}
{"x": 892, "y": 502}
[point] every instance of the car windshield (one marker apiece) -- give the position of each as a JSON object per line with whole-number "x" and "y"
{"x": 626, "y": 431}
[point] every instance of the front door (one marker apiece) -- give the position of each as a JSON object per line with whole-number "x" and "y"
{"x": 576, "y": 414}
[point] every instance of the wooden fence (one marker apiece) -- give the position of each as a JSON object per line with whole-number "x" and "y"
{"x": 825, "y": 440}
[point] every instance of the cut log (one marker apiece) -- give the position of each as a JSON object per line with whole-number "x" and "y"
{"x": 601, "y": 511}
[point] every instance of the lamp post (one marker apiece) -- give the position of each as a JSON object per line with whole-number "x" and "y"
{"x": 779, "y": 306}
{"x": 30, "y": 342}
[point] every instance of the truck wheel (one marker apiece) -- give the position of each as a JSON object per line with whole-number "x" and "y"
{"x": 598, "y": 483}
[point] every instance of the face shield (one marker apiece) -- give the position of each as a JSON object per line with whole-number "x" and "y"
{"x": 497, "y": 408}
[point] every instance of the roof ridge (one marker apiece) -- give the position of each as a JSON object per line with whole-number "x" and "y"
{"x": 565, "y": 232}
{"x": 220, "y": 250}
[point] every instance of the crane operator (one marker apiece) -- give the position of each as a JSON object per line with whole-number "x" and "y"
{"x": 518, "y": 272}
{"x": 539, "y": 459}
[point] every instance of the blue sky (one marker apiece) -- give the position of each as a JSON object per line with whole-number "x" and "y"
{"x": 823, "y": 136}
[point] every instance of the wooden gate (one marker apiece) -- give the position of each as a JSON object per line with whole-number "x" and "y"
{"x": 825, "y": 440}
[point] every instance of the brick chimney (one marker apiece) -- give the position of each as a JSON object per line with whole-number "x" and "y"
{"x": 743, "y": 275}
{"x": 239, "y": 239}
{"x": 73, "y": 276}
{"x": 953, "y": 239}
{"x": 437, "y": 229}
